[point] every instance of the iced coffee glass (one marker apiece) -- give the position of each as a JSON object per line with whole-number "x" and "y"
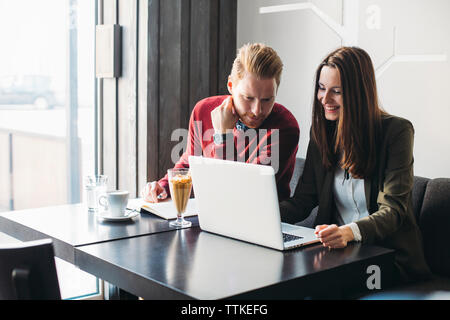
{"x": 180, "y": 184}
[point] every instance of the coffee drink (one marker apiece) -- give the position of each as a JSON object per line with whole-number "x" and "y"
{"x": 180, "y": 189}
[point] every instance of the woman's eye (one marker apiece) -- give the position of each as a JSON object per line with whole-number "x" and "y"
{"x": 321, "y": 88}
{"x": 336, "y": 92}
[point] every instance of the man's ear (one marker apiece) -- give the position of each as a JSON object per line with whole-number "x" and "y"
{"x": 230, "y": 85}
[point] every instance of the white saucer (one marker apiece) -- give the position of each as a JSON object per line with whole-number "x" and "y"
{"x": 130, "y": 214}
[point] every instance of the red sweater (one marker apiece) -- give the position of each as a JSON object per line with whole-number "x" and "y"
{"x": 268, "y": 146}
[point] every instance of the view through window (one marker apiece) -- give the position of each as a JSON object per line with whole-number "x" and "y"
{"x": 47, "y": 110}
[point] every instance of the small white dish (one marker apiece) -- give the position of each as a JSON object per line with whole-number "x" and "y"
{"x": 130, "y": 214}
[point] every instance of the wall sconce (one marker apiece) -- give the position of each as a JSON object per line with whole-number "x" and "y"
{"x": 108, "y": 51}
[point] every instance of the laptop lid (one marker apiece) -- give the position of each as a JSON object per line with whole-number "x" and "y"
{"x": 237, "y": 200}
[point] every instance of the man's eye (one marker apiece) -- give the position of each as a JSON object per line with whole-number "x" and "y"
{"x": 249, "y": 98}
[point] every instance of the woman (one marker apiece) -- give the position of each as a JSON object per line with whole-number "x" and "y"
{"x": 359, "y": 166}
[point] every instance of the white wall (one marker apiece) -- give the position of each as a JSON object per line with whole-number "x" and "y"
{"x": 408, "y": 40}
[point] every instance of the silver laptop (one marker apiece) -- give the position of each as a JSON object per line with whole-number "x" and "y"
{"x": 240, "y": 201}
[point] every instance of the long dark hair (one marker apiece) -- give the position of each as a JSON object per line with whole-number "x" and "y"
{"x": 351, "y": 141}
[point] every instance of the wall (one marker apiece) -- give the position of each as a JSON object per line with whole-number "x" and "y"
{"x": 408, "y": 40}
{"x": 174, "y": 53}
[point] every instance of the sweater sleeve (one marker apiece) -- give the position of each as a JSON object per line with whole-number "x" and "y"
{"x": 193, "y": 147}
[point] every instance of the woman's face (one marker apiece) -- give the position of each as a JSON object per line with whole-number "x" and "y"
{"x": 330, "y": 92}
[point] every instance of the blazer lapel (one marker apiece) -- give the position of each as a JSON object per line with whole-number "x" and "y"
{"x": 367, "y": 191}
{"x": 325, "y": 213}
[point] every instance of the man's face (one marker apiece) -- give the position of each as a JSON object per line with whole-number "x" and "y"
{"x": 253, "y": 98}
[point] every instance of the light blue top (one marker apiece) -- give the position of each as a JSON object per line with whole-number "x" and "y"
{"x": 350, "y": 200}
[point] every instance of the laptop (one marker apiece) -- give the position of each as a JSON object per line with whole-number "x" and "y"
{"x": 240, "y": 201}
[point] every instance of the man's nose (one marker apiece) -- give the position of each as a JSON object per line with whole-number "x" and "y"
{"x": 256, "y": 109}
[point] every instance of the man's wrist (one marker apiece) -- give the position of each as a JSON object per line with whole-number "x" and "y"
{"x": 221, "y": 138}
{"x": 220, "y": 131}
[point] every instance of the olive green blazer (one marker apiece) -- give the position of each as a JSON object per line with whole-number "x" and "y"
{"x": 391, "y": 222}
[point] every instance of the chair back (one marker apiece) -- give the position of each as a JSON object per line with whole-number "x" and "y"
{"x": 418, "y": 192}
{"x": 28, "y": 271}
{"x": 434, "y": 223}
{"x": 298, "y": 170}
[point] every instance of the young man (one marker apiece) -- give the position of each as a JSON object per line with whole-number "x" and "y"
{"x": 245, "y": 126}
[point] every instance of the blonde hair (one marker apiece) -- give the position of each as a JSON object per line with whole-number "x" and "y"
{"x": 258, "y": 59}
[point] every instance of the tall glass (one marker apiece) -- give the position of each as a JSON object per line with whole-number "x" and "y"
{"x": 95, "y": 186}
{"x": 180, "y": 184}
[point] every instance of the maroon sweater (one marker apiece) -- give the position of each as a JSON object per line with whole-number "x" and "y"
{"x": 263, "y": 145}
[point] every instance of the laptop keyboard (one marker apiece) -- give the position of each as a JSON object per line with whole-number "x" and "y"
{"x": 290, "y": 237}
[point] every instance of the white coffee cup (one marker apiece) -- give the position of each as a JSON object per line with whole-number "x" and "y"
{"x": 115, "y": 202}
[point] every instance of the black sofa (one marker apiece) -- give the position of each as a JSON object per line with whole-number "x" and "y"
{"x": 431, "y": 206}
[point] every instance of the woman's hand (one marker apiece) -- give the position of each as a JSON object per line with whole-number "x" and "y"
{"x": 333, "y": 236}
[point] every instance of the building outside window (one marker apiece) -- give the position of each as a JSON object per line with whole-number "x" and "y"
{"x": 47, "y": 111}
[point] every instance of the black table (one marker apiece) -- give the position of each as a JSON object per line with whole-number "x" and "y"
{"x": 147, "y": 258}
{"x": 71, "y": 226}
{"x": 194, "y": 264}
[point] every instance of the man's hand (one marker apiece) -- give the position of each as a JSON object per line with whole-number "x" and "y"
{"x": 333, "y": 236}
{"x": 153, "y": 192}
{"x": 224, "y": 117}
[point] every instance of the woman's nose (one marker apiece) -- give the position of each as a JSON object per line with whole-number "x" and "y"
{"x": 325, "y": 98}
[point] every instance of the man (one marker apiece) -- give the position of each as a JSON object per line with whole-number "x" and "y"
{"x": 246, "y": 126}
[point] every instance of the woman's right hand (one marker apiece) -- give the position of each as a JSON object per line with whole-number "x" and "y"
{"x": 153, "y": 192}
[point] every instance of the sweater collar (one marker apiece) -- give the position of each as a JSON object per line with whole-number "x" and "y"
{"x": 241, "y": 126}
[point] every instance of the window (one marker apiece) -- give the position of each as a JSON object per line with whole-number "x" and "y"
{"x": 47, "y": 110}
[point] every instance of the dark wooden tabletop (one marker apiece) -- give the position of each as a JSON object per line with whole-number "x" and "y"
{"x": 147, "y": 258}
{"x": 194, "y": 264}
{"x": 70, "y": 226}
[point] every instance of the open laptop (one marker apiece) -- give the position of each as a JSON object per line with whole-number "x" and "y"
{"x": 240, "y": 201}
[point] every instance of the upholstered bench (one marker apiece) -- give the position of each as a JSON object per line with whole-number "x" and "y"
{"x": 431, "y": 206}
